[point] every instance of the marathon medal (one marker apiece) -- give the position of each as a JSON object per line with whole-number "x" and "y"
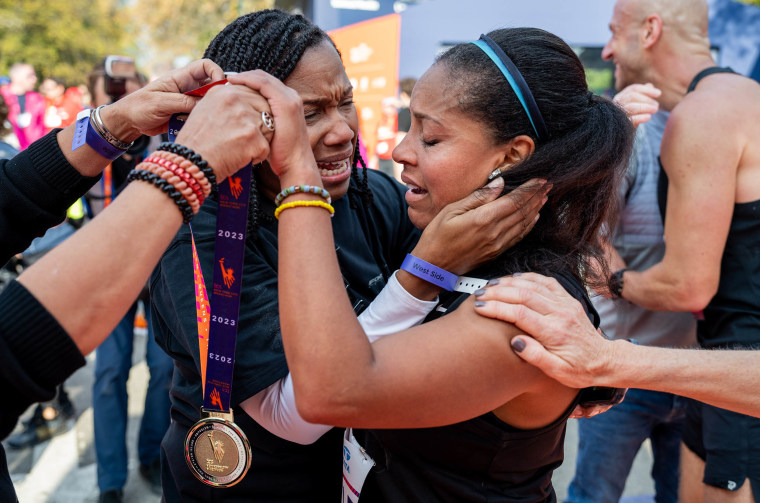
{"x": 216, "y": 449}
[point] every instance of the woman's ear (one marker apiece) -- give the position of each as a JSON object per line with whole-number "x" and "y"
{"x": 518, "y": 149}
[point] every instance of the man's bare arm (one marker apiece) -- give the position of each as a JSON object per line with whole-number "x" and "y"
{"x": 567, "y": 348}
{"x": 701, "y": 159}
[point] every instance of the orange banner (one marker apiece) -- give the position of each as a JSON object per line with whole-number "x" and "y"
{"x": 370, "y": 52}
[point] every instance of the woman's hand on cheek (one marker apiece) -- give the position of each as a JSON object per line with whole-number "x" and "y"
{"x": 481, "y": 226}
{"x": 291, "y": 157}
{"x": 226, "y": 128}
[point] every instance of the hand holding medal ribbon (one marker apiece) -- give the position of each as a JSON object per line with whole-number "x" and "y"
{"x": 216, "y": 450}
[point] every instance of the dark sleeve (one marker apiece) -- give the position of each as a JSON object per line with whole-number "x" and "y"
{"x": 259, "y": 353}
{"x": 404, "y": 120}
{"x": 36, "y": 354}
{"x": 37, "y": 186}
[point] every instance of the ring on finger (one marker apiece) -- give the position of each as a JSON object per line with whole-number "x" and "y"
{"x": 267, "y": 120}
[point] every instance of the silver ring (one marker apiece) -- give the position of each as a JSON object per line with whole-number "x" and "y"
{"x": 268, "y": 120}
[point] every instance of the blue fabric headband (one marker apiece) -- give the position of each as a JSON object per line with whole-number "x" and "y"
{"x": 516, "y": 82}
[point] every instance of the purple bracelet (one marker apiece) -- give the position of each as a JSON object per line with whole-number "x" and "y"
{"x": 429, "y": 272}
{"x": 86, "y": 132}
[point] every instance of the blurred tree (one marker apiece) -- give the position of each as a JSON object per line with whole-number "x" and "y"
{"x": 60, "y": 38}
{"x": 174, "y": 29}
{"x": 751, "y": 2}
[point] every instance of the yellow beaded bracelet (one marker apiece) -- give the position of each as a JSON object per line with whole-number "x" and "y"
{"x": 295, "y": 204}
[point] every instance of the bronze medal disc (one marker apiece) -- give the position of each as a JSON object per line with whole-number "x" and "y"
{"x": 217, "y": 452}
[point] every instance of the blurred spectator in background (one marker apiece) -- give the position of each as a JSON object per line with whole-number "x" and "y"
{"x": 386, "y": 135}
{"x": 61, "y": 105}
{"x": 85, "y": 98}
{"x": 26, "y": 107}
{"x": 6, "y": 133}
{"x": 404, "y": 117}
{"x": 405, "y": 87}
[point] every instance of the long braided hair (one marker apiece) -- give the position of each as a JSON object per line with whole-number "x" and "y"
{"x": 274, "y": 41}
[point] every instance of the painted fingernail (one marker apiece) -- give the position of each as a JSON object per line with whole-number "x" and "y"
{"x": 492, "y": 282}
{"x": 518, "y": 344}
{"x": 480, "y": 303}
{"x": 479, "y": 292}
{"x": 517, "y": 274}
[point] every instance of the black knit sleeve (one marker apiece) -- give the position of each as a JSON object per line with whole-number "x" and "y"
{"x": 37, "y": 186}
{"x": 36, "y": 354}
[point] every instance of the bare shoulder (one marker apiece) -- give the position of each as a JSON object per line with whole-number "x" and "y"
{"x": 732, "y": 105}
{"x": 720, "y": 101}
{"x": 713, "y": 125}
{"x": 542, "y": 400}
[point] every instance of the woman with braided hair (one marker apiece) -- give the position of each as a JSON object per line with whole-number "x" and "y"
{"x": 293, "y": 460}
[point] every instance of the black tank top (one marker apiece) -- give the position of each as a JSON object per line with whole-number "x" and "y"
{"x": 662, "y": 183}
{"x": 480, "y": 460}
{"x": 732, "y": 318}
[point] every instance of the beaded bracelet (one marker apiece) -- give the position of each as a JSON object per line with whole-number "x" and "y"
{"x": 187, "y": 166}
{"x": 191, "y": 156}
{"x": 172, "y": 192}
{"x": 296, "y": 204}
{"x": 302, "y": 188}
{"x": 147, "y": 176}
{"x": 175, "y": 180}
{"x": 184, "y": 175}
{"x": 166, "y": 186}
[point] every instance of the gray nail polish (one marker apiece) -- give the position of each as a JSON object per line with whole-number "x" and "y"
{"x": 518, "y": 345}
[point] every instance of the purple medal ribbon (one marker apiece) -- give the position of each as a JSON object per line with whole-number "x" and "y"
{"x": 229, "y": 254}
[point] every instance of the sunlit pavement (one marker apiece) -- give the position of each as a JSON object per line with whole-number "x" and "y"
{"x": 62, "y": 469}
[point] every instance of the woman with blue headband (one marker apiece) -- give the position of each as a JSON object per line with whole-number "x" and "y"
{"x": 485, "y": 426}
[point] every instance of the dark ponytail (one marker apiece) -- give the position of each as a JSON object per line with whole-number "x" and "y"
{"x": 584, "y": 156}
